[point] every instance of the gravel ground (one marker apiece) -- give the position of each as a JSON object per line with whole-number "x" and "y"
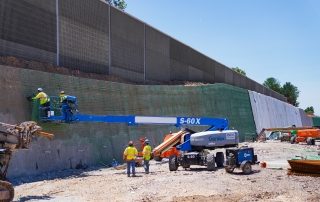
{"x": 197, "y": 184}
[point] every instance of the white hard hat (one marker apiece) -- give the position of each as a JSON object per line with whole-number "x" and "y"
{"x": 146, "y": 141}
{"x": 40, "y": 89}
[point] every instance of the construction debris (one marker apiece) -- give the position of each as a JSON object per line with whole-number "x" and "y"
{"x": 11, "y": 138}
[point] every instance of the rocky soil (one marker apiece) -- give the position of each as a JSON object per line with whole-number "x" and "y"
{"x": 197, "y": 184}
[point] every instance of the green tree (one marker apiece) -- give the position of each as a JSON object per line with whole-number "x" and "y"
{"x": 240, "y": 71}
{"x": 121, "y": 4}
{"x": 273, "y": 84}
{"x": 291, "y": 92}
{"x": 309, "y": 110}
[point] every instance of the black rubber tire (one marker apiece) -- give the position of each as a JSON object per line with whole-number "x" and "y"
{"x": 173, "y": 163}
{"x": 157, "y": 158}
{"x": 229, "y": 170}
{"x": 7, "y": 186}
{"x": 293, "y": 140}
{"x": 219, "y": 159}
{"x": 310, "y": 141}
{"x": 211, "y": 162}
{"x": 247, "y": 169}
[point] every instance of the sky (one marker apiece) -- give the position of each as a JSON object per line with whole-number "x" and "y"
{"x": 266, "y": 38}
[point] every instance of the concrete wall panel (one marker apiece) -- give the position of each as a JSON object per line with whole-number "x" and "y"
{"x": 236, "y": 79}
{"x": 179, "y": 71}
{"x": 209, "y": 73}
{"x": 8, "y": 48}
{"x": 228, "y": 76}
{"x": 128, "y": 74}
{"x": 157, "y": 55}
{"x": 219, "y": 76}
{"x": 84, "y": 35}
{"x": 127, "y": 42}
{"x": 195, "y": 74}
{"x": 28, "y": 26}
{"x": 243, "y": 82}
{"x": 269, "y": 112}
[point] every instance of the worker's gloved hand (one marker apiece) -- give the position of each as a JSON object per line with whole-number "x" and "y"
{"x": 29, "y": 98}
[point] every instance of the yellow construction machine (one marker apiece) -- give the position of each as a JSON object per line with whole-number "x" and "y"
{"x": 13, "y": 137}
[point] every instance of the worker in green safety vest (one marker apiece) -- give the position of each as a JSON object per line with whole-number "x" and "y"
{"x": 44, "y": 101}
{"x": 146, "y": 156}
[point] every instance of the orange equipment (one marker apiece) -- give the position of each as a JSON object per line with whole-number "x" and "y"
{"x": 308, "y": 135}
{"x": 167, "y": 147}
{"x": 171, "y": 151}
{"x": 288, "y": 130}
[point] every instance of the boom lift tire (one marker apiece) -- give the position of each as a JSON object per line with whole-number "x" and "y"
{"x": 219, "y": 159}
{"x": 211, "y": 163}
{"x": 6, "y": 186}
{"x": 310, "y": 141}
{"x": 173, "y": 163}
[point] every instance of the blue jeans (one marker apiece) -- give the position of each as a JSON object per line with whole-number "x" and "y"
{"x": 146, "y": 166}
{"x": 66, "y": 113}
{"x": 131, "y": 164}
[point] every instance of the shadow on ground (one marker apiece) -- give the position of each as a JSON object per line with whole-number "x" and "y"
{"x": 62, "y": 174}
{"x": 28, "y": 198}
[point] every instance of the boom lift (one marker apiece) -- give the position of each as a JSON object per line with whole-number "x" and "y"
{"x": 193, "y": 146}
{"x": 74, "y": 116}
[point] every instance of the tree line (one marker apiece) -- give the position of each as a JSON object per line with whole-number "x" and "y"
{"x": 121, "y": 4}
{"x": 290, "y": 91}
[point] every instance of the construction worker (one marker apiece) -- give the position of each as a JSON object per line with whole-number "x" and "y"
{"x": 129, "y": 155}
{"x": 146, "y": 156}
{"x": 44, "y": 101}
{"x": 62, "y": 96}
{"x": 65, "y": 108}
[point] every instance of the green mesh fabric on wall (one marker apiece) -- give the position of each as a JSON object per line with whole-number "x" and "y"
{"x": 316, "y": 121}
{"x": 35, "y": 110}
{"x": 94, "y": 143}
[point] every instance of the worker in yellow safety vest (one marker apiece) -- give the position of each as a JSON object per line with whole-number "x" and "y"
{"x": 44, "y": 101}
{"x": 62, "y": 96}
{"x": 129, "y": 155}
{"x": 146, "y": 156}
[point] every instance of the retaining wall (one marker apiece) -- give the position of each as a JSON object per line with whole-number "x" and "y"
{"x": 93, "y": 143}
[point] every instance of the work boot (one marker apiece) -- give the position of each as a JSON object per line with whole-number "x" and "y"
{"x": 134, "y": 175}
